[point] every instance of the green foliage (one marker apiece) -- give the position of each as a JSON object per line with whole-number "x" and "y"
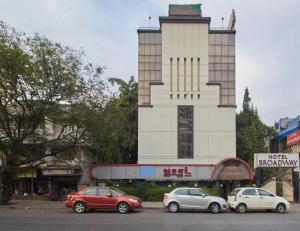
{"x": 252, "y": 133}
{"x": 153, "y": 192}
{"x": 112, "y": 131}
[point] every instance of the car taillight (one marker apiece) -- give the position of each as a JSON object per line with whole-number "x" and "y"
{"x": 165, "y": 196}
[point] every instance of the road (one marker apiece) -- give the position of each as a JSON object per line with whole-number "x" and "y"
{"x": 145, "y": 220}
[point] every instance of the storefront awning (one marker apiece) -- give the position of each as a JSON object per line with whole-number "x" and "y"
{"x": 232, "y": 169}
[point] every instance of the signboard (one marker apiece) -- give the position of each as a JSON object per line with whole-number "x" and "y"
{"x": 293, "y": 138}
{"x": 276, "y": 160}
{"x": 149, "y": 172}
{"x": 55, "y": 172}
{"x": 26, "y": 173}
{"x": 181, "y": 172}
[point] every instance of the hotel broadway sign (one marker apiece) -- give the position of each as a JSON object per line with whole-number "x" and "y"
{"x": 281, "y": 160}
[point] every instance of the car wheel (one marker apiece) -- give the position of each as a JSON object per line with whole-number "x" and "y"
{"x": 173, "y": 207}
{"x": 214, "y": 208}
{"x": 280, "y": 208}
{"x": 123, "y": 207}
{"x": 79, "y": 207}
{"x": 241, "y": 208}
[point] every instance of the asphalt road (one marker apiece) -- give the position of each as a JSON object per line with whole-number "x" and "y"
{"x": 144, "y": 220}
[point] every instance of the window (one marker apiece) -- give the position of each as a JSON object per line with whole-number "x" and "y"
{"x": 185, "y": 132}
{"x": 250, "y": 192}
{"x": 104, "y": 192}
{"x": 264, "y": 193}
{"x": 181, "y": 192}
{"x": 91, "y": 191}
{"x": 197, "y": 192}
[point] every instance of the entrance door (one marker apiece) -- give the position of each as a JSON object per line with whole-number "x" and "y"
{"x": 198, "y": 199}
{"x": 91, "y": 198}
{"x": 182, "y": 197}
{"x": 266, "y": 200}
{"x": 106, "y": 199}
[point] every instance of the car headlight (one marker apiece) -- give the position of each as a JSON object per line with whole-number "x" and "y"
{"x": 133, "y": 200}
{"x": 222, "y": 201}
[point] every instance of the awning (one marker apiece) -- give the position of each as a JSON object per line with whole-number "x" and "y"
{"x": 232, "y": 169}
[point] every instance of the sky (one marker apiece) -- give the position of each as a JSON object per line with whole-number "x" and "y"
{"x": 267, "y": 40}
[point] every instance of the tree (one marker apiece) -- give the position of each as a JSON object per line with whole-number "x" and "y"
{"x": 111, "y": 133}
{"x": 252, "y": 133}
{"x": 40, "y": 82}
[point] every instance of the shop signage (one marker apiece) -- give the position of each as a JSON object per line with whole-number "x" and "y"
{"x": 181, "y": 172}
{"x": 281, "y": 160}
{"x": 53, "y": 172}
{"x": 293, "y": 138}
{"x": 26, "y": 172}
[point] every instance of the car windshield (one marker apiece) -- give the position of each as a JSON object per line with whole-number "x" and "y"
{"x": 118, "y": 191}
{"x": 204, "y": 193}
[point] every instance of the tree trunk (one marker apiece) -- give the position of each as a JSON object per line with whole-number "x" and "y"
{"x": 6, "y": 181}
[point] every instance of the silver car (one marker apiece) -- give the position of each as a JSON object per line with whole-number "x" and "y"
{"x": 193, "y": 198}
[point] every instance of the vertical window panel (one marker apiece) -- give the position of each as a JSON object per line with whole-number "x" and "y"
{"x": 185, "y": 115}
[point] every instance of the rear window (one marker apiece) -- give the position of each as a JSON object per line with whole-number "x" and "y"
{"x": 181, "y": 192}
{"x": 234, "y": 192}
{"x": 250, "y": 192}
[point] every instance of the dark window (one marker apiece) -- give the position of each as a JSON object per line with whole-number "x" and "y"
{"x": 181, "y": 192}
{"x": 197, "y": 192}
{"x": 264, "y": 193}
{"x": 91, "y": 191}
{"x": 103, "y": 192}
{"x": 185, "y": 131}
{"x": 251, "y": 192}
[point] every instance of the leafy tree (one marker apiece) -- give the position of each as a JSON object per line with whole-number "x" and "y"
{"x": 41, "y": 82}
{"x": 111, "y": 133}
{"x": 252, "y": 133}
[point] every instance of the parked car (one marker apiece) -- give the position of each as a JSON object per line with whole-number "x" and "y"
{"x": 193, "y": 198}
{"x": 243, "y": 199}
{"x": 102, "y": 198}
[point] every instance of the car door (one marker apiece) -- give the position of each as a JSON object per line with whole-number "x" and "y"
{"x": 198, "y": 199}
{"x": 91, "y": 198}
{"x": 266, "y": 200}
{"x": 250, "y": 198}
{"x": 105, "y": 199}
{"x": 182, "y": 197}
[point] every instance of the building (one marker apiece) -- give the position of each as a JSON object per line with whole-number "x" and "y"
{"x": 287, "y": 140}
{"x": 186, "y": 99}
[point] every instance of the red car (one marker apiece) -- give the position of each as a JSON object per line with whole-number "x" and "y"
{"x": 102, "y": 198}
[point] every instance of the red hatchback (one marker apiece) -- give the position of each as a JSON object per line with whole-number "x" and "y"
{"x": 102, "y": 198}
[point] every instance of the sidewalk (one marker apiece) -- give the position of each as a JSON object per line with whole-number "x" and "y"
{"x": 35, "y": 204}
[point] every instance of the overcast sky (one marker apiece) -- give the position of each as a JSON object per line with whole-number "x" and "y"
{"x": 267, "y": 39}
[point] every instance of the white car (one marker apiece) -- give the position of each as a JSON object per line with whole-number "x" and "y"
{"x": 243, "y": 199}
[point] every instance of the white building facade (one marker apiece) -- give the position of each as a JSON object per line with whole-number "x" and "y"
{"x": 186, "y": 90}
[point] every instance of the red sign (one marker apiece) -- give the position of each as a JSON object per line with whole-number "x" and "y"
{"x": 177, "y": 172}
{"x": 293, "y": 138}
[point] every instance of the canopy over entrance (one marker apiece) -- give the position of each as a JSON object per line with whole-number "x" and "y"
{"x": 232, "y": 169}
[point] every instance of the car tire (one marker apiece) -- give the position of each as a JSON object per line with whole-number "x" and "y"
{"x": 214, "y": 208}
{"x": 241, "y": 208}
{"x": 173, "y": 207}
{"x": 79, "y": 207}
{"x": 123, "y": 207}
{"x": 281, "y": 208}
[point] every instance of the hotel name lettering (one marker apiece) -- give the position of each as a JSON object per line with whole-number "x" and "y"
{"x": 277, "y": 160}
{"x": 182, "y": 172}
